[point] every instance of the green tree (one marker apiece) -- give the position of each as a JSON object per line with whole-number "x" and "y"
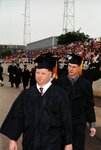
{"x": 5, "y": 53}
{"x": 72, "y": 37}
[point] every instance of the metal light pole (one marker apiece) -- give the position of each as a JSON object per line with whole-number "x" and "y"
{"x": 68, "y": 16}
{"x": 27, "y": 27}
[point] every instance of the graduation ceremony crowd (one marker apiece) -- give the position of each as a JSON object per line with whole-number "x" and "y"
{"x": 89, "y": 51}
{"x": 57, "y": 103}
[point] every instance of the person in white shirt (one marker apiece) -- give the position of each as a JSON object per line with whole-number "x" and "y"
{"x": 44, "y": 117}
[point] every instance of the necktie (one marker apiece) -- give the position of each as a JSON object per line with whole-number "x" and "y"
{"x": 41, "y": 91}
{"x": 72, "y": 81}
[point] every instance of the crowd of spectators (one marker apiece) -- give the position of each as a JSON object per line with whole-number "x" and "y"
{"x": 90, "y": 51}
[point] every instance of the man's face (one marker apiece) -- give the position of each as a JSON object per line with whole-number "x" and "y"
{"x": 42, "y": 76}
{"x": 73, "y": 70}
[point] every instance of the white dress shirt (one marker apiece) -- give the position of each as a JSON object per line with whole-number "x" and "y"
{"x": 45, "y": 87}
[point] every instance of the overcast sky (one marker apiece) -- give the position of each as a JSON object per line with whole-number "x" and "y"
{"x": 46, "y": 19}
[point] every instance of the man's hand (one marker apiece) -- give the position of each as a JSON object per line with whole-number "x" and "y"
{"x": 92, "y": 132}
{"x": 68, "y": 147}
{"x": 13, "y": 145}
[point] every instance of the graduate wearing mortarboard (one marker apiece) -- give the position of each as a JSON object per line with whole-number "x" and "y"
{"x": 81, "y": 98}
{"x": 41, "y": 113}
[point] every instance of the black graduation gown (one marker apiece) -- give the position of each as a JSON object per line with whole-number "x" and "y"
{"x": 1, "y": 72}
{"x": 43, "y": 120}
{"x": 81, "y": 99}
{"x": 92, "y": 74}
{"x": 25, "y": 77}
{"x": 82, "y": 106}
{"x": 32, "y": 77}
{"x": 18, "y": 76}
{"x": 12, "y": 71}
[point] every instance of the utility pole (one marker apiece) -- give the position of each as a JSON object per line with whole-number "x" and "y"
{"x": 68, "y": 16}
{"x": 27, "y": 27}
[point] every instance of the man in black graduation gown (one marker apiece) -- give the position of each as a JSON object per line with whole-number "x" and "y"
{"x": 1, "y": 74}
{"x": 44, "y": 117}
{"x": 25, "y": 76}
{"x": 11, "y": 73}
{"x": 18, "y": 75}
{"x": 80, "y": 95}
{"x": 93, "y": 73}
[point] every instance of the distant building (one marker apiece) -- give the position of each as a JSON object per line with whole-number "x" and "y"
{"x": 13, "y": 48}
{"x": 41, "y": 44}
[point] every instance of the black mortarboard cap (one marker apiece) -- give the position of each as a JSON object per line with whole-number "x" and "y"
{"x": 45, "y": 61}
{"x": 75, "y": 59}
